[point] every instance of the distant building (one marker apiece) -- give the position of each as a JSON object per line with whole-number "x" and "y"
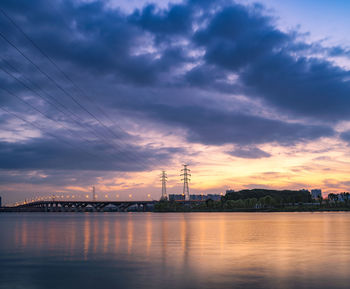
{"x": 197, "y": 197}
{"x": 343, "y": 197}
{"x": 178, "y": 197}
{"x": 316, "y": 194}
{"x": 201, "y": 197}
{"x": 214, "y": 197}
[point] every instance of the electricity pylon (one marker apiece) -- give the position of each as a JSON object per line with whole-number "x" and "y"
{"x": 186, "y": 178}
{"x": 164, "y": 178}
{"x": 93, "y": 193}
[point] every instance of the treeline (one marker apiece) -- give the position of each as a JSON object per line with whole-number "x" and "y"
{"x": 278, "y": 197}
{"x": 260, "y": 200}
{"x": 337, "y": 200}
{"x": 251, "y": 203}
{"x": 245, "y": 200}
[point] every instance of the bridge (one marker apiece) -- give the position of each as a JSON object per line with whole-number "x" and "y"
{"x": 84, "y": 206}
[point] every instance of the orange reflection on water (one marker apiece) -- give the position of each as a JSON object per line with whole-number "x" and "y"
{"x": 130, "y": 233}
{"x": 117, "y": 233}
{"x": 87, "y": 237}
{"x": 148, "y": 233}
{"x": 24, "y": 235}
{"x": 95, "y": 235}
{"x": 105, "y": 234}
{"x": 185, "y": 241}
{"x": 164, "y": 240}
{"x": 278, "y": 244}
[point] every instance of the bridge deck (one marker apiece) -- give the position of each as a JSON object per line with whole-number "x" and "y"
{"x": 84, "y": 206}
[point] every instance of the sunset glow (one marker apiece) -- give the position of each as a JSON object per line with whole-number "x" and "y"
{"x": 263, "y": 104}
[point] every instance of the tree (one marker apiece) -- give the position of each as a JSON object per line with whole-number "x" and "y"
{"x": 269, "y": 201}
{"x": 229, "y": 204}
{"x": 333, "y": 198}
{"x": 209, "y": 203}
{"x": 345, "y": 197}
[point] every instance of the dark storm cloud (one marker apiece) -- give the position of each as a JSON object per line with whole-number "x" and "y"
{"x": 307, "y": 87}
{"x": 126, "y": 60}
{"x": 249, "y": 153}
{"x": 236, "y": 37}
{"x": 93, "y": 38}
{"x": 46, "y": 153}
{"x": 345, "y": 136}
{"x": 210, "y": 77}
{"x": 339, "y": 51}
{"x": 210, "y": 126}
{"x": 243, "y": 41}
{"x": 54, "y": 177}
{"x": 176, "y": 20}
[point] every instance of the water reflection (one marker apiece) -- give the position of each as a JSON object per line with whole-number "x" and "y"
{"x": 129, "y": 250}
{"x": 148, "y": 234}
{"x": 87, "y": 238}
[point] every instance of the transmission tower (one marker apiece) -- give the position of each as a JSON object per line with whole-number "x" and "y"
{"x": 93, "y": 193}
{"x": 164, "y": 178}
{"x": 186, "y": 178}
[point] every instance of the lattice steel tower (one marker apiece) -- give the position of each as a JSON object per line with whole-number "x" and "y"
{"x": 186, "y": 178}
{"x": 93, "y": 193}
{"x": 164, "y": 178}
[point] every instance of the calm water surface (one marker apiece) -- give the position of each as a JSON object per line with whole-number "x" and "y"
{"x": 192, "y": 250}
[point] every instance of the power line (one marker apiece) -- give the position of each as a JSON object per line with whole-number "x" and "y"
{"x": 32, "y": 106}
{"x": 73, "y": 133}
{"x": 39, "y": 89}
{"x": 39, "y": 128}
{"x": 57, "y": 85}
{"x": 62, "y": 89}
{"x": 61, "y": 71}
{"x": 66, "y": 76}
{"x": 104, "y": 139}
{"x": 78, "y": 148}
{"x": 36, "y": 109}
{"x": 36, "y": 93}
{"x": 53, "y": 62}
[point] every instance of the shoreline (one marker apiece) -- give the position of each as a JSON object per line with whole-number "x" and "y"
{"x": 301, "y": 210}
{"x": 259, "y": 211}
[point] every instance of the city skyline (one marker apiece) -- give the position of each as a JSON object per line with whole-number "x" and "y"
{"x": 109, "y": 94}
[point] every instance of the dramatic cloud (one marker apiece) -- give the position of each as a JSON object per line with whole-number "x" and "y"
{"x": 249, "y": 153}
{"x": 176, "y": 20}
{"x": 74, "y": 155}
{"x": 216, "y": 73}
{"x": 217, "y": 127}
{"x": 345, "y": 136}
{"x": 271, "y": 66}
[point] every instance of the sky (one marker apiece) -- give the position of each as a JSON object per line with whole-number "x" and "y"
{"x": 249, "y": 94}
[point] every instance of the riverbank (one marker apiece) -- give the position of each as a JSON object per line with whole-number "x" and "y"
{"x": 270, "y": 210}
{"x": 220, "y": 206}
{"x": 185, "y": 208}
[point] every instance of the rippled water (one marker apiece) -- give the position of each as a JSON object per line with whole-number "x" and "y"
{"x": 191, "y": 250}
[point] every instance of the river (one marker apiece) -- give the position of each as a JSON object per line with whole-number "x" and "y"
{"x": 174, "y": 250}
